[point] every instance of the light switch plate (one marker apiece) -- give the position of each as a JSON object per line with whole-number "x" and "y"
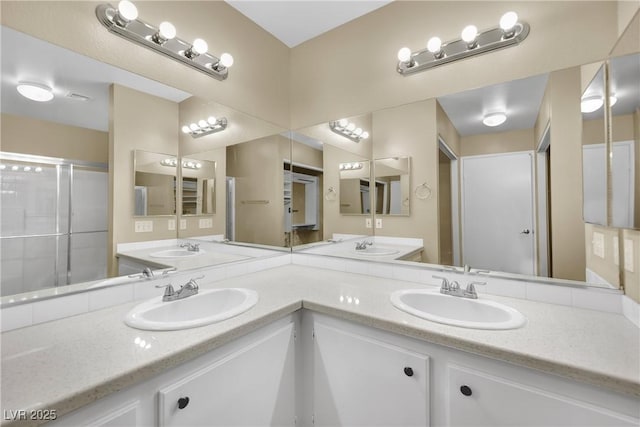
{"x": 171, "y": 224}
{"x": 183, "y": 224}
{"x": 628, "y": 255}
{"x": 143, "y": 226}
{"x": 616, "y": 250}
{"x": 205, "y": 223}
{"x": 367, "y": 223}
{"x": 598, "y": 244}
{"x": 378, "y": 222}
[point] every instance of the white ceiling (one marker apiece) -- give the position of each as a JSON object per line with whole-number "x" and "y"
{"x": 65, "y": 71}
{"x": 519, "y": 99}
{"x": 296, "y": 21}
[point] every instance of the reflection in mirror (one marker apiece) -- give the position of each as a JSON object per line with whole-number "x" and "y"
{"x": 154, "y": 183}
{"x": 326, "y": 153}
{"x": 593, "y": 151}
{"x": 355, "y": 188}
{"x": 393, "y": 186}
{"x": 624, "y": 89}
{"x": 198, "y": 186}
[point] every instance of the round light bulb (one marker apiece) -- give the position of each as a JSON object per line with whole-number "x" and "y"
{"x": 189, "y": 164}
{"x": 494, "y": 119}
{"x": 351, "y": 127}
{"x": 343, "y": 123}
{"x": 203, "y": 123}
{"x": 434, "y": 44}
{"x": 127, "y": 10}
{"x": 591, "y": 104}
{"x": 404, "y": 54}
{"x": 226, "y": 60}
{"x": 38, "y": 169}
{"x": 14, "y": 168}
{"x": 185, "y": 129}
{"x": 35, "y": 91}
{"x": 508, "y": 21}
{"x": 194, "y": 127}
{"x": 27, "y": 168}
{"x": 198, "y": 165}
{"x": 469, "y": 33}
{"x": 3, "y": 167}
{"x": 212, "y": 120}
{"x": 357, "y": 132}
{"x": 365, "y": 135}
{"x": 347, "y": 166}
{"x": 167, "y": 30}
{"x": 200, "y": 46}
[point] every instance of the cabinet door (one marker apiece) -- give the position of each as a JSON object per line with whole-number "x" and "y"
{"x": 102, "y": 414}
{"x": 478, "y": 399}
{"x": 359, "y": 381}
{"x": 253, "y": 386}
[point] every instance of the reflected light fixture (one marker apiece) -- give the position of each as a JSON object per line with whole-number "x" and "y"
{"x": 205, "y": 127}
{"x": 494, "y": 119}
{"x": 124, "y": 22}
{"x": 349, "y": 130}
{"x": 35, "y": 91}
{"x": 509, "y": 32}
{"x": 591, "y": 104}
{"x": 351, "y": 166}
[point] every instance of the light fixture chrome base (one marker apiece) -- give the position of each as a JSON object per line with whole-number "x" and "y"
{"x": 486, "y": 41}
{"x": 219, "y": 126}
{"x": 342, "y": 131}
{"x": 141, "y": 33}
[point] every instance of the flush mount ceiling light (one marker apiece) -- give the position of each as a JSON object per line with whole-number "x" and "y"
{"x": 591, "y": 104}
{"x": 349, "y": 130}
{"x": 494, "y": 119}
{"x": 35, "y": 91}
{"x": 510, "y": 32}
{"x": 205, "y": 127}
{"x": 124, "y": 22}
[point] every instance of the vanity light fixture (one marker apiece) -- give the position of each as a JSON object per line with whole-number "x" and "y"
{"x": 510, "y": 32}
{"x": 351, "y": 166}
{"x": 188, "y": 164}
{"x": 35, "y": 91}
{"x": 494, "y": 119}
{"x": 349, "y": 130}
{"x": 124, "y": 22}
{"x": 16, "y": 168}
{"x": 205, "y": 127}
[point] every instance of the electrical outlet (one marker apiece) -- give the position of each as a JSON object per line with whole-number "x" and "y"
{"x": 171, "y": 224}
{"x": 143, "y": 226}
{"x": 183, "y": 224}
{"x": 378, "y": 222}
{"x": 616, "y": 250}
{"x": 598, "y": 244}
{"x": 628, "y": 255}
{"x": 205, "y": 223}
{"x": 367, "y": 223}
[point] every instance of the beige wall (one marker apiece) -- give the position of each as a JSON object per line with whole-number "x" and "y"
{"x": 636, "y": 152}
{"x": 258, "y": 169}
{"x": 447, "y": 131}
{"x": 604, "y": 267}
{"x": 42, "y": 138}
{"x": 444, "y": 210}
{"x": 622, "y": 129}
{"x": 306, "y": 155}
{"x": 411, "y": 130}
{"x": 257, "y": 83}
{"x": 137, "y": 122}
{"x": 632, "y": 278}
{"x": 361, "y": 55}
{"x": 499, "y": 142}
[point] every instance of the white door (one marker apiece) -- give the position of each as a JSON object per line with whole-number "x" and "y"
{"x": 497, "y": 212}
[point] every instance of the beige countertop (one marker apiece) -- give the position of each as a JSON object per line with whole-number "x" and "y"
{"x": 61, "y": 365}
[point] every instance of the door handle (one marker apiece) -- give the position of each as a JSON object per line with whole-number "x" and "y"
{"x": 525, "y": 231}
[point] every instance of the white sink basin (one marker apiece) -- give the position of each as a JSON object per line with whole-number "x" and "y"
{"x": 208, "y": 306}
{"x": 371, "y": 251}
{"x": 457, "y": 311}
{"x": 174, "y": 253}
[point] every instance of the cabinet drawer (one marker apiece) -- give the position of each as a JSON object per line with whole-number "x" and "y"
{"x": 479, "y": 399}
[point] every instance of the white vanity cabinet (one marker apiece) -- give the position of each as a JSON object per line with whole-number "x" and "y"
{"x": 361, "y": 381}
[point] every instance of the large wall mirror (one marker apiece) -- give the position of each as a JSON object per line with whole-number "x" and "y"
{"x": 392, "y": 179}
{"x": 154, "y": 183}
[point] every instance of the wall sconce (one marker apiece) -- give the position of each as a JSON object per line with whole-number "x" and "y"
{"x": 205, "y": 127}
{"x": 124, "y": 22}
{"x": 510, "y": 32}
{"x": 351, "y": 166}
{"x": 349, "y": 130}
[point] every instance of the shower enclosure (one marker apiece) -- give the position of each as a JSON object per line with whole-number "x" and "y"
{"x": 53, "y": 222}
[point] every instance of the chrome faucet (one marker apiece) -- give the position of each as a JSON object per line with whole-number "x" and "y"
{"x": 453, "y": 288}
{"x": 361, "y": 246}
{"x": 467, "y": 269}
{"x": 147, "y": 273}
{"x": 191, "y": 247}
{"x": 190, "y": 288}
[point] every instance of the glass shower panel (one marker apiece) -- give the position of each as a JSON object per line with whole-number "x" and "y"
{"x": 89, "y": 200}
{"x": 28, "y": 264}
{"x": 88, "y": 257}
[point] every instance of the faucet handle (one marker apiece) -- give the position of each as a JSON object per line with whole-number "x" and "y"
{"x": 168, "y": 270}
{"x": 192, "y": 282}
{"x": 471, "y": 288}
{"x": 445, "y": 283}
{"x": 168, "y": 291}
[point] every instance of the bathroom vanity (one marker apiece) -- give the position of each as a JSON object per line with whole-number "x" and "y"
{"x": 324, "y": 347}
